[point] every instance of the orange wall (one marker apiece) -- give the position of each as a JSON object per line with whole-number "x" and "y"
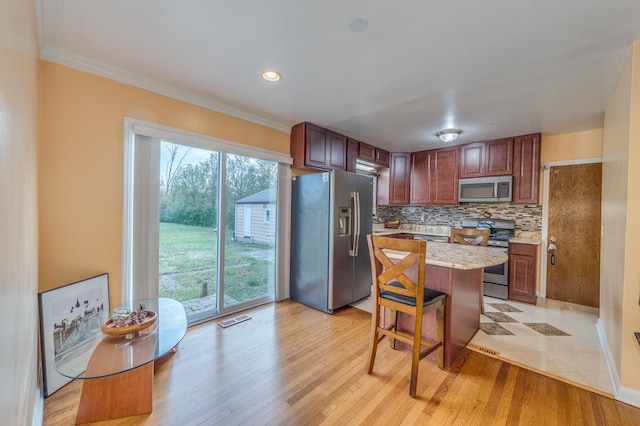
{"x": 571, "y": 146}
{"x": 620, "y": 246}
{"x": 81, "y": 166}
{"x": 630, "y": 371}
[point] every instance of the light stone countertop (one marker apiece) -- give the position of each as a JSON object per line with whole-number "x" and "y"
{"x": 458, "y": 256}
{"x": 522, "y": 237}
{"x": 519, "y": 240}
{"x": 437, "y": 230}
{"x": 527, "y": 237}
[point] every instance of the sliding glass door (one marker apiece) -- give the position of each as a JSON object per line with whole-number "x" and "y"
{"x": 204, "y": 227}
{"x": 249, "y": 247}
{"x": 188, "y": 227}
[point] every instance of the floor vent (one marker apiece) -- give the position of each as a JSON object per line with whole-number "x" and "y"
{"x": 234, "y": 321}
{"x": 483, "y": 350}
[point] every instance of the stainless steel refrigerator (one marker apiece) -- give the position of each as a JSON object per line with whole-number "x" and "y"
{"x": 330, "y": 220}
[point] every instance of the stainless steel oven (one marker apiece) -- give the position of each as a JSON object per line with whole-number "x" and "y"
{"x": 496, "y": 278}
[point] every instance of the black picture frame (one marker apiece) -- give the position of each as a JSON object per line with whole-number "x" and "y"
{"x": 69, "y": 317}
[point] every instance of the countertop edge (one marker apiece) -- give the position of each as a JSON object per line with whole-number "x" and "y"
{"x": 387, "y": 231}
{"x": 458, "y": 256}
{"x": 532, "y": 241}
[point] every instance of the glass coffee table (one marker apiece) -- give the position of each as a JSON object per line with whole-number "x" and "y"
{"x": 119, "y": 369}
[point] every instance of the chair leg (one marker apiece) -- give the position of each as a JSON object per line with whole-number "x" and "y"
{"x": 441, "y": 313}
{"x": 373, "y": 342}
{"x": 415, "y": 356}
{"x": 394, "y": 318}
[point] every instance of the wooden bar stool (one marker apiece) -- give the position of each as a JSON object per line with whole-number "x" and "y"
{"x": 394, "y": 290}
{"x": 471, "y": 237}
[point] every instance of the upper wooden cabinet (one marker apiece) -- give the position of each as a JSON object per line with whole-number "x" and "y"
{"x": 490, "y": 158}
{"x": 313, "y": 146}
{"x": 352, "y": 154}
{"x": 393, "y": 183}
{"x": 382, "y": 157}
{"x": 378, "y": 156}
{"x": 526, "y": 169}
{"x": 420, "y": 177}
{"x": 472, "y": 160}
{"x": 366, "y": 151}
{"x": 434, "y": 176}
{"x": 319, "y": 148}
{"x": 444, "y": 176}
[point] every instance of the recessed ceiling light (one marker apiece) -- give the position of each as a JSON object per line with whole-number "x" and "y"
{"x": 271, "y": 75}
{"x": 448, "y": 135}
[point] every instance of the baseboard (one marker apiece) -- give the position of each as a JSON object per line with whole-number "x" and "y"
{"x": 608, "y": 357}
{"x": 622, "y": 394}
{"x": 628, "y": 396}
{"x": 38, "y": 408}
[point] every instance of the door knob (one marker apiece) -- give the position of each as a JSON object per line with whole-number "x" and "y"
{"x": 552, "y": 249}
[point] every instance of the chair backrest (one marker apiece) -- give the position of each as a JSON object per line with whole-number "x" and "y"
{"x": 385, "y": 270}
{"x": 469, "y": 236}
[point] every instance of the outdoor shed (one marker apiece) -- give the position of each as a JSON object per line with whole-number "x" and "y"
{"x": 256, "y": 217}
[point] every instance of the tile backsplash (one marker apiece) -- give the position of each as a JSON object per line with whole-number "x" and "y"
{"x": 526, "y": 217}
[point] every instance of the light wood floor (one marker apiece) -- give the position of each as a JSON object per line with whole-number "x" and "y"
{"x": 292, "y": 365}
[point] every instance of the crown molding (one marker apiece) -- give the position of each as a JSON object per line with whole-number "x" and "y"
{"x": 84, "y": 63}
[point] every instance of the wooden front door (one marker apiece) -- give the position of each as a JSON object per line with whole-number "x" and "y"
{"x": 573, "y": 274}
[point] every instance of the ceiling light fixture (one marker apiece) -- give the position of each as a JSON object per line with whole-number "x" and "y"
{"x": 448, "y": 135}
{"x": 271, "y": 75}
{"x": 359, "y": 25}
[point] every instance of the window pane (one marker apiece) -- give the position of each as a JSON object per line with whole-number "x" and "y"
{"x": 250, "y": 258}
{"x": 188, "y": 232}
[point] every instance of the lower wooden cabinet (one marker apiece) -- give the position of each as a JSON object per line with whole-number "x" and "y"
{"x": 523, "y": 264}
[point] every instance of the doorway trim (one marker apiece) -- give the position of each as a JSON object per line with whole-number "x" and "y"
{"x": 133, "y": 127}
{"x": 546, "y": 174}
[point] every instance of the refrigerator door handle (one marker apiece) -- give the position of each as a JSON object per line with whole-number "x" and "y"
{"x": 354, "y": 207}
{"x": 356, "y": 225}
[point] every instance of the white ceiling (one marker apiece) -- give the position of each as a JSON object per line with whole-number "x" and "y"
{"x": 492, "y": 68}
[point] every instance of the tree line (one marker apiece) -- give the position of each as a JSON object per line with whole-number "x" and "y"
{"x": 189, "y": 191}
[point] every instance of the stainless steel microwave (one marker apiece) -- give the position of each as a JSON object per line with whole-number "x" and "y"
{"x": 494, "y": 189}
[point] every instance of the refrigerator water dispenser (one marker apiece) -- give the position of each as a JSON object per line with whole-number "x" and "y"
{"x": 344, "y": 221}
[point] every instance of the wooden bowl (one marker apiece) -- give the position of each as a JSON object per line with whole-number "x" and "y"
{"x": 391, "y": 225}
{"x": 110, "y": 329}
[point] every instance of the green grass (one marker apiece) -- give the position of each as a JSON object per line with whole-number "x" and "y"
{"x": 188, "y": 263}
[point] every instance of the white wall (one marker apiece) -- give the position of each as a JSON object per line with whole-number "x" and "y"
{"x": 260, "y": 231}
{"x": 18, "y": 214}
{"x": 620, "y": 245}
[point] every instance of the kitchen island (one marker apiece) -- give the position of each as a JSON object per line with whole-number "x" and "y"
{"x": 456, "y": 270}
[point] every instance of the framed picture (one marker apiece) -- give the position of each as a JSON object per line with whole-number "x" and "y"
{"x": 70, "y": 316}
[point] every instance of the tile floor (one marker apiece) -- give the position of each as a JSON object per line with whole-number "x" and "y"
{"x": 558, "y": 340}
